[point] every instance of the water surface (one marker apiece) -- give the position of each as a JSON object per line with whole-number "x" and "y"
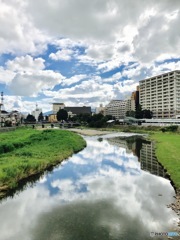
{"x": 100, "y": 193}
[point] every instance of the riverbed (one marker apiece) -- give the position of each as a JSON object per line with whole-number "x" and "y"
{"x": 111, "y": 190}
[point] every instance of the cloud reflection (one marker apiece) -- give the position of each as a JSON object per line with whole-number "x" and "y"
{"x": 99, "y": 193}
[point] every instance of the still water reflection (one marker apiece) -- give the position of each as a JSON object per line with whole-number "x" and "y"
{"x": 100, "y": 193}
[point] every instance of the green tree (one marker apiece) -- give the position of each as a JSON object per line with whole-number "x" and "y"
{"x": 30, "y": 118}
{"x": 62, "y": 115}
{"x": 130, "y": 114}
{"x": 147, "y": 114}
{"x": 40, "y": 117}
{"x": 139, "y": 112}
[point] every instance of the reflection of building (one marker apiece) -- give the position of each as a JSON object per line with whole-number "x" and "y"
{"x": 123, "y": 143}
{"x": 149, "y": 161}
{"x": 144, "y": 150}
{"x": 161, "y": 95}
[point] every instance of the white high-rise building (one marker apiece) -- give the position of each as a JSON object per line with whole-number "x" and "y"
{"x": 116, "y": 108}
{"x": 161, "y": 94}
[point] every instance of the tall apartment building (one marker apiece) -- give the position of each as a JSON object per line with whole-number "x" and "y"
{"x": 161, "y": 94}
{"x": 116, "y": 108}
{"x": 132, "y": 102}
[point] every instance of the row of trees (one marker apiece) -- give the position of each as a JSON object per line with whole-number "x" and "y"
{"x": 31, "y": 118}
{"x": 61, "y": 115}
{"x": 96, "y": 119}
{"x": 139, "y": 113}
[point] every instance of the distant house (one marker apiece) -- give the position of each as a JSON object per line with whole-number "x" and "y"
{"x": 14, "y": 117}
{"x": 52, "y": 118}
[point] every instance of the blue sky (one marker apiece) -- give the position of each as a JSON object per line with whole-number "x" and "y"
{"x": 83, "y": 52}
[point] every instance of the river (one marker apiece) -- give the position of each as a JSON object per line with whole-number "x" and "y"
{"x": 111, "y": 190}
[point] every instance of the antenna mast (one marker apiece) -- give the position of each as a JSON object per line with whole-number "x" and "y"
{"x": 1, "y": 104}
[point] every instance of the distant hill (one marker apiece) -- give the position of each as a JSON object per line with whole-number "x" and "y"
{"x": 47, "y": 113}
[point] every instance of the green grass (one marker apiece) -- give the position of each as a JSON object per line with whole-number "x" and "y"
{"x": 168, "y": 153}
{"x": 26, "y": 152}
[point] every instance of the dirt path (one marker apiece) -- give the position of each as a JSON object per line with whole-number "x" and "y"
{"x": 89, "y": 132}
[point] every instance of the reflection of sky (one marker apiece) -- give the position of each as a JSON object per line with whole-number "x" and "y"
{"x": 100, "y": 193}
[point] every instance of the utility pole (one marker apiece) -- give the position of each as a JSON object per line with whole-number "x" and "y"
{"x": 1, "y": 104}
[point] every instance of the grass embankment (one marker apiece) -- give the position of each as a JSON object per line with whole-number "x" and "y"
{"x": 27, "y": 152}
{"x": 168, "y": 153}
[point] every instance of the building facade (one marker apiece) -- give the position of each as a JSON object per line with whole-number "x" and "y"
{"x": 57, "y": 107}
{"x": 116, "y": 108}
{"x": 161, "y": 95}
{"x": 100, "y": 109}
{"x": 36, "y": 112}
{"x": 73, "y": 111}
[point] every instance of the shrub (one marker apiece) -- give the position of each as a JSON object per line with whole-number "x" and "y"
{"x": 5, "y": 148}
{"x": 171, "y": 128}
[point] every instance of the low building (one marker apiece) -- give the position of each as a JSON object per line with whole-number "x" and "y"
{"x": 72, "y": 111}
{"x": 57, "y": 107}
{"x": 14, "y": 117}
{"x": 52, "y": 118}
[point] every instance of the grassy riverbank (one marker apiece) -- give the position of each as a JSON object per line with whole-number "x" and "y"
{"x": 25, "y": 152}
{"x": 168, "y": 153}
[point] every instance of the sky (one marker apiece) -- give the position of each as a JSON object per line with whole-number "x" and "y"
{"x": 81, "y": 52}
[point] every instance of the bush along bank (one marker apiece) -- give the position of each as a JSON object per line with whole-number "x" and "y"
{"x": 24, "y": 153}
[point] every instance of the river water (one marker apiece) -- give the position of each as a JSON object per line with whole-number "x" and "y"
{"x": 111, "y": 190}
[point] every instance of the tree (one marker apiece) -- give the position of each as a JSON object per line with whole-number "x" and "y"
{"x": 8, "y": 123}
{"x": 147, "y": 114}
{"x": 62, "y": 115}
{"x": 40, "y": 117}
{"x": 130, "y": 113}
{"x": 30, "y": 118}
